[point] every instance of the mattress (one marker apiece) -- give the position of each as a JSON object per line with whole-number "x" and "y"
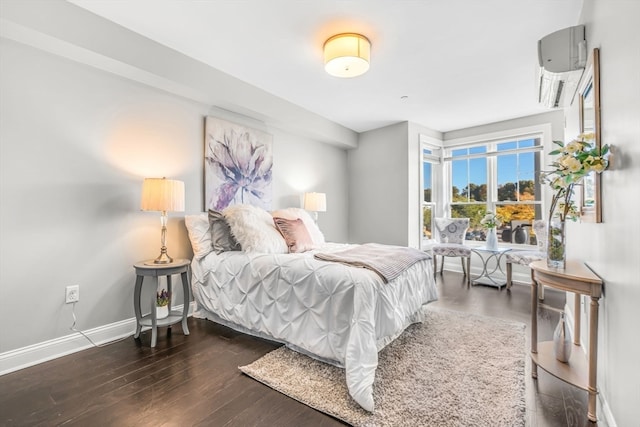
{"x": 336, "y": 313}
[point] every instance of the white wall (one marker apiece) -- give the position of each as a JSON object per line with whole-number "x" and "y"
{"x": 611, "y": 248}
{"x": 554, "y": 118}
{"x": 75, "y": 144}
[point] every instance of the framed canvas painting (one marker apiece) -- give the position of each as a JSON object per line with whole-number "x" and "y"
{"x": 238, "y": 164}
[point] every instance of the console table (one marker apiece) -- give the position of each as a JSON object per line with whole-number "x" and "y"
{"x": 576, "y": 277}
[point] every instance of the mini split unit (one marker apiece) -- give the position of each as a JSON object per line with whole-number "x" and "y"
{"x": 562, "y": 56}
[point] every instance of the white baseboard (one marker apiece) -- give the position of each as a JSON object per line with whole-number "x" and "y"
{"x": 605, "y": 410}
{"x": 31, "y": 355}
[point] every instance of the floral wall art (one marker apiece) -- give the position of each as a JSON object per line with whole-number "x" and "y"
{"x": 238, "y": 165}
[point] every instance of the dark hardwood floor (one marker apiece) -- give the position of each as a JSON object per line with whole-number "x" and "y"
{"x": 194, "y": 381}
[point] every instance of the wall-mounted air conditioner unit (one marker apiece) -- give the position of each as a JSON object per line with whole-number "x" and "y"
{"x": 562, "y": 56}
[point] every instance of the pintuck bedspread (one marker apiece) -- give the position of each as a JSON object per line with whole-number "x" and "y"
{"x": 337, "y": 313}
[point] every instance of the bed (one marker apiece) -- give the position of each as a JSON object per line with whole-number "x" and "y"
{"x": 330, "y": 311}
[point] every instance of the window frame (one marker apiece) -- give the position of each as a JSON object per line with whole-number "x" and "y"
{"x": 491, "y": 140}
{"x": 436, "y": 161}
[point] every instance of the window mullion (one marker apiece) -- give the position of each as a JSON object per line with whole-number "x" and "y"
{"x": 492, "y": 182}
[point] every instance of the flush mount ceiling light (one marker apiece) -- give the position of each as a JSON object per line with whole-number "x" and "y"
{"x": 347, "y": 55}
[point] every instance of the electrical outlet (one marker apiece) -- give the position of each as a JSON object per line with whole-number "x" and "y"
{"x": 72, "y": 294}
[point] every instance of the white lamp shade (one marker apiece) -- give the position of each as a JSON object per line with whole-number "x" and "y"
{"x": 161, "y": 194}
{"x": 315, "y": 202}
{"x": 347, "y": 55}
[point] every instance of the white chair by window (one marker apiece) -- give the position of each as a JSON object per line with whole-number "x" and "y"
{"x": 450, "y": 234}
{"x": 527, "y": 257}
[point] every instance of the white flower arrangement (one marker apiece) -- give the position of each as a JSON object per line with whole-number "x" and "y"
{"x": 491, "y": 220}
{"x": 577, "y": 159}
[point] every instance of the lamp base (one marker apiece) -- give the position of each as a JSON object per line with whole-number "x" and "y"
{"x": 163, "y": 258}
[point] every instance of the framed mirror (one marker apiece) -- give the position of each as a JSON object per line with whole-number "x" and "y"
{"x": 589, "y": 108}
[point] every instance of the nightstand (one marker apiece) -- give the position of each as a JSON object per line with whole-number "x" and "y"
{"x": 149, "y": 269}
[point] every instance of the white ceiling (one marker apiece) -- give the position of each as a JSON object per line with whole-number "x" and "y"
{"x": 460, "y": 63}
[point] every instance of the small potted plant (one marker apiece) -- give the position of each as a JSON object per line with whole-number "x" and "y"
{"x": 162, "y": 303}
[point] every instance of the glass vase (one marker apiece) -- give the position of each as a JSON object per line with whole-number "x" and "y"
{"x": 492, "y": 239}
{"x": 556, "y": 244}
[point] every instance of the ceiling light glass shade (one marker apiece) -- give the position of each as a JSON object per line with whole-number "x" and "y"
{"x": 347, "y": 55}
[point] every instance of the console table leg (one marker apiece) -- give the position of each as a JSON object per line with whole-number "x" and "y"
{"x": 577, "y": 315}
{"x": 534, "y": 323}
{"x": 593, "y": 358}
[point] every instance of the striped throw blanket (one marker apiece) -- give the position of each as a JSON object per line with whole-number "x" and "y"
{"x": 388, "y": 261}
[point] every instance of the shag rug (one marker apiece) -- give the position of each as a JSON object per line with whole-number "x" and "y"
{"x": 454, "y": 369}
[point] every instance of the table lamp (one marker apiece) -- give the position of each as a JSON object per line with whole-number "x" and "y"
{"x": 315, "y": 202}
{"x": 163, "y": 195}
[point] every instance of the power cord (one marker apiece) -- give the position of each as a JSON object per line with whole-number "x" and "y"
{"x": 73, "y": 328}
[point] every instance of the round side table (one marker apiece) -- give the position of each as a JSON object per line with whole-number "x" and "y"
{"x": 149, "y": 269}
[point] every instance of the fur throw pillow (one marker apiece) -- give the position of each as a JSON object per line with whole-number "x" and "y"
{"x": 254, "y": 229}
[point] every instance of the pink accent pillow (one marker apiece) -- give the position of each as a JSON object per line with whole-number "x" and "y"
{"x": 295, "y": 234}
{"x": 312, "y": 227}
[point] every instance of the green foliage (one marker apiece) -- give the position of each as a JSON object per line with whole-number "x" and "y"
{"x": 474, "y": 212}
{"x": 426, "y": 222}
{"x": 162, "y": 298}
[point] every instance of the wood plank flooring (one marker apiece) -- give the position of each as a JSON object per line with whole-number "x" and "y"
{"x": 194, "y": 381}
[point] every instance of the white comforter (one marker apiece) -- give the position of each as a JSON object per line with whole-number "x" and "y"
{"x": 340, "y": 314}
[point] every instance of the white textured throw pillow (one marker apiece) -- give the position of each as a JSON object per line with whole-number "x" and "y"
{"x": 254, "y": 229}
{"x": 312, "y": 227}
{"x": 199, "y": 234}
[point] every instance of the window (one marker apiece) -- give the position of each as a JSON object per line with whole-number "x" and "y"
{"x": 431, "y": 164}
{"x": 469, "y": 187}
{"x": 518, "y": 191}
{"x": 500, "y": 176}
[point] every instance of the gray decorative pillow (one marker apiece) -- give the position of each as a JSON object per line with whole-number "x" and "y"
{"x": 221, "y": 238}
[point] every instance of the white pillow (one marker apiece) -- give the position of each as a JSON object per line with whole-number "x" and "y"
{"x": 199, "y": 234}
{"x": 294, "y": 213}
{"x": 254, "y": 229}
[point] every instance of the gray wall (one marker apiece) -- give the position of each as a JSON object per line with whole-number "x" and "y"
{"x": 378, "y": 186}
{"x": 611, "y": 248}
{"x": 384, "y": 185}
{"x": 75, "y": 144}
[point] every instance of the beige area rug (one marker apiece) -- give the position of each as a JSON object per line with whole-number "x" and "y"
{"x": 455, "y": 369}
